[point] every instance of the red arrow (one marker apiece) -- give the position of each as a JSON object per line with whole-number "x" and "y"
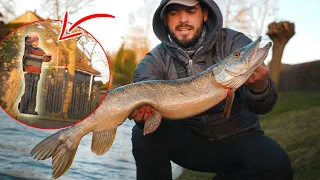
{"x": 62, "y": 37}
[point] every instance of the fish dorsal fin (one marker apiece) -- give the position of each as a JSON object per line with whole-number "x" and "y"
{"x": 102, "y": 141}
{"x": 229, "y": 102}
{"x": 152, "y": 123}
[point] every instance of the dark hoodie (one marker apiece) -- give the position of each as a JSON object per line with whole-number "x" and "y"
{"x": 165, "y": 62}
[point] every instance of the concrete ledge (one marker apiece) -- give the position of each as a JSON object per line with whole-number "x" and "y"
{"x": 45, "y": 121}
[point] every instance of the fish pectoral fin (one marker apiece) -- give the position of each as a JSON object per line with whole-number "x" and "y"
{"x": 229, "y": 102}
{"x": 152, "y": 123}
{"x": 102, "y": 141}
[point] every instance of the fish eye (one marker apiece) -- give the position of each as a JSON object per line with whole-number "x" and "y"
{"x": 236, "y": 54}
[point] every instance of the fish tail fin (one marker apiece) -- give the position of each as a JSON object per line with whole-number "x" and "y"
{"x": 60, "y": 148}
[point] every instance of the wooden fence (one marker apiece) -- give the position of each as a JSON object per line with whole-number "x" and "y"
{"x": 83, "y": 101}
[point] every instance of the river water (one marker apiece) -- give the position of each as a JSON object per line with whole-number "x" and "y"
{"x": 17, "y": 140}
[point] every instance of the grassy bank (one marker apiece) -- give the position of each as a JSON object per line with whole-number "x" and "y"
{"x": 295, "y": 124}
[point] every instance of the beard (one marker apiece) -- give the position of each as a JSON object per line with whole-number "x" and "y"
{"x": 184, "y": 42}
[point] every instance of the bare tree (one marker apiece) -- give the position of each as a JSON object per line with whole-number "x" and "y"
{"x": 88, "y": 45}
{"x": 143, "y": 17}
{"x": 7, "y": 9}
{"x": 137, "y": 41}
{"x": 280, "y": 33}
{"x": 248, "y": 16}
{"x": 55, "y": 9}
{"x": 140, "y": 31}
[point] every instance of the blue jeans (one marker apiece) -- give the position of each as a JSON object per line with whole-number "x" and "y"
{"x": 28, "y": 101}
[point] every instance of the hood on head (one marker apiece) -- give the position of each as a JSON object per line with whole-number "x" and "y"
{"x": 213, "y": 24}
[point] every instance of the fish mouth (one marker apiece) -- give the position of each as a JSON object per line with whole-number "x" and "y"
{"x": 253, "y": 50}
{"x": 235, "y": 73}
{"x": 260, "y": 55}
{"x": 257, "y": 56}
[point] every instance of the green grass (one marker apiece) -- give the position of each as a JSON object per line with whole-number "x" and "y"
{"x": 295, "y": 124}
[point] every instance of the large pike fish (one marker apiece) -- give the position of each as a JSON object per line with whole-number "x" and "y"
{"x": 172, "y": 99}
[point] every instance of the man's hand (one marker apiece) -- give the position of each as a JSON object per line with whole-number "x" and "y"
{"x": 258, "y": 81}
{"x": 47, "y": 57}
{"x": 142, "y": 114}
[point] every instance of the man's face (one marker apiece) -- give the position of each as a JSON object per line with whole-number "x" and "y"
{"x": 35, "y": 43}
{"x": 185, "y": 23}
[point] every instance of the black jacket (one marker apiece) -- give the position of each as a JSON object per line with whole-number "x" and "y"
{"x": 162, "y": 62}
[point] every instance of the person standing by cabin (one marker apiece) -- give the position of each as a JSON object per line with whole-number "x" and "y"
{"x": 192, "y": 39}
{"x": 32, "y": 61}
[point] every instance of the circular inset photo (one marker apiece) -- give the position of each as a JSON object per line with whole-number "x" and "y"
{"x": 49, "y": 83}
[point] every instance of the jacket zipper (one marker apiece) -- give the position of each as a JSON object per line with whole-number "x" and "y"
{"x": 190, "y": 63}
